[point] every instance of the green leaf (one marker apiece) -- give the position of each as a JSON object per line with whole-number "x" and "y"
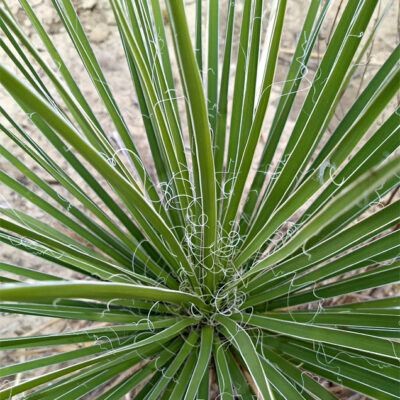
{"x": 243, "y": 344}
{"x": 214, "y": 257}
{"x": 198, "y": 116}
{"x": 359, "y": 190}
{"x": 310, "y": 332}
{"x": 346, "y": 368}
{"x": 173, "y": 367}
{"x": 202, "y": 364}
{"x": 222, "y": 369}
{"x": 87, "y": 335}
{"x": 95, "y": 291}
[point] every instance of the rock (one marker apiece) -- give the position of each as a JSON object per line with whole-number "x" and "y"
{"x": 99, "y": 33}
{"x": 88, "y": 4}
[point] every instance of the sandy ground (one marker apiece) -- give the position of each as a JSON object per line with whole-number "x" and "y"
{"x": 97, "y": 19}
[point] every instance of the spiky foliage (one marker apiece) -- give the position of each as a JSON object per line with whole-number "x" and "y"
{"x": 196, "y": 262}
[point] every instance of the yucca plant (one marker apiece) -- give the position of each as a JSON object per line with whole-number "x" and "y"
{"x": 212, "y": 264}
